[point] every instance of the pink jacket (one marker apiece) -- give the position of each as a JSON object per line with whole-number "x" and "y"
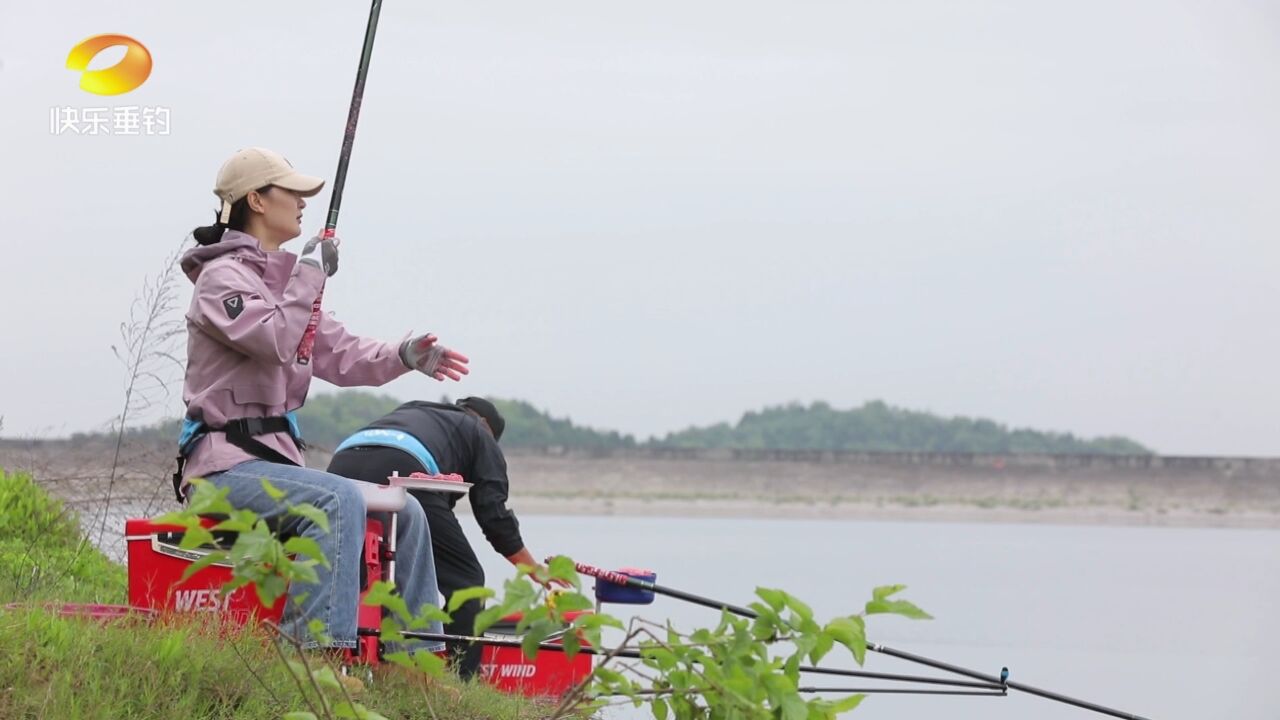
{"x": 247, "y": 316}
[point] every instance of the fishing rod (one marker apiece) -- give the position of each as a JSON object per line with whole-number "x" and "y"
{"x": 1003, "y": 680}
{"x": 863, "y": 691}
{"x": 340, "y": 177}
{"x": 630, "y": 654}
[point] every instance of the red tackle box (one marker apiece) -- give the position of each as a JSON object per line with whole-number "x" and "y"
{"x": 550, "y": 674}
{"x": 156, "y": 564}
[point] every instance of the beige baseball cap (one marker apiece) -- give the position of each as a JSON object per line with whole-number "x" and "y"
{"x": 255, "y": 167}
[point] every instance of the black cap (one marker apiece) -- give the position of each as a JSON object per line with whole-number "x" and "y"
{"x": 486, "y": 410}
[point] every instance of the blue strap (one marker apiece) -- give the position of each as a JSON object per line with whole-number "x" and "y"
{"x": 393, "y": 439}
{"x": 294, "y": 429}
{"x": 193, "y": 430}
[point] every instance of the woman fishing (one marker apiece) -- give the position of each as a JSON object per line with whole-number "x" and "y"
{"x": 245, "y": 376}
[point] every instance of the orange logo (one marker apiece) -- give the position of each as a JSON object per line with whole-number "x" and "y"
{"x": 118, "y": 79}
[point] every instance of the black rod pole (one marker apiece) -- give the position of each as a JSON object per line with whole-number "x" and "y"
{"x": 353, "y": 117}
{"x": 1047, "y": 694}
{"x": 306, "y": 345}
{"x": 865, "y": 691}
{"x": 621, "y": 579}
{"x": 636, "y": 655}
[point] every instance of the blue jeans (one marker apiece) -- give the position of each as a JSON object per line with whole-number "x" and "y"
{"x": 335, "y": 600}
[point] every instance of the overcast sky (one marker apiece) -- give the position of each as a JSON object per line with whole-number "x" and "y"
{"x": 647, "y": 215}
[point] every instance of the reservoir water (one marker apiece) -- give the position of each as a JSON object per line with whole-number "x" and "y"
{"x": 1161, "y": 622}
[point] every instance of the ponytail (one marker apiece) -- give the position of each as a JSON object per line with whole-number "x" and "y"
{"x": 209, "y": 234}
{"x": 212, "y": 234}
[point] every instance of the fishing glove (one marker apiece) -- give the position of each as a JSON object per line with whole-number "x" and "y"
{"x": 424, "y": 354}
{"x": 322, "y": 252}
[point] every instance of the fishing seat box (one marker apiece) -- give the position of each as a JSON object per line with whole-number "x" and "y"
{"x": 550, "y": 674}
{"x": 156, "y": 565}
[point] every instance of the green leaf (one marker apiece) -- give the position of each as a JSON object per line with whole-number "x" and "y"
{"x": 383, "y": 594}
{"x": 896, "y": 607}
{"x": 528, "y": 616}
{"x": 660, "y": 709}
{"x": 325, "y": 678}
{"x": 822, "y": 645}
{"x": 380, "y": 593}
{"x": 520, "y": 593}
{"x": 300, "y": 545}
{"x": 312, "y": 513}
{"x": 852, "y": 633}
{"x": 389, "y": 630}
{"x": 429, "y": 663}
{"x": 571, "y": 601}
{"x": 195, "y": 537}
{"x": 804, "y": 611}
{"x": 571, "y": 644}
{"x": 302, "y": 572}
{"x": 461, "y": 596}
{"x": 844, "y": 705}
{"x": 276, "y": 493}
{"x": 301, "y": 715}
{"x": 679, "y": 679}
{"x": 270, "y": 589}
{"x": 235, "y": 525}
{"x": 355, "y": 711}
{"x": 209, "y": 499}
{"x": 609, "y": 677}
{"x": 402, "y": 659}
{"x": 658, "y": 657}
{"x": 805, "y": 644}
{"x": 204, "y": 562}
{"x": 598, "y": 620}
{"x": 885, "y": 591}
{"x": 775, "y": 687}
{"x": 534, "y": 637}
{"x": 185, "y": 518}
{"x": 792, "y": 668}
{"x": 562, "y": 568}
{"x": 348, "y": 711}
{"x": 794, "y": 708}
{"x": 764, "y": 627}
{"x": 428, "y": 614}
{"x": 487, "y": 618}
{"x": 775, "y": 598}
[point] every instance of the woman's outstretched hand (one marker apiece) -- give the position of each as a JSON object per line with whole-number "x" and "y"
{"x": 426, "y": 355}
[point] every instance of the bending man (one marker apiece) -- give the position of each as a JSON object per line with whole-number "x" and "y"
{"x": 438, "y": 438}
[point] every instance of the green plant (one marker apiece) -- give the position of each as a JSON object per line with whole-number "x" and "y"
{"x": 729, "y": 671}
{"x": 40, "y": 553}
{"x": 744, "y": 667}
{"x": 259, "y": 558}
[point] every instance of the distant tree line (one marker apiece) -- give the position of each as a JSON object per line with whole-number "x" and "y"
{"x": 876, "y": 426}
{"x": 326, "y": 419}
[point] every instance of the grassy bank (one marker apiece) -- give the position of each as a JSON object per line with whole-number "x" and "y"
{"x": 74, "y": 668}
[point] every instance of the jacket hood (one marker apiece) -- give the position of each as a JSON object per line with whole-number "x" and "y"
{"x": 233, "y": 242}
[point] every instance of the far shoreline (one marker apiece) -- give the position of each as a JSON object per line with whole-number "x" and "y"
{"x": 759, "y": 509}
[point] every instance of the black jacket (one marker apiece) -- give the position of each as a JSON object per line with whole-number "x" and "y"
{"x": 461, "y": 444}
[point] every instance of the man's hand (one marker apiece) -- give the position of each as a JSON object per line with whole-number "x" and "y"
{"x": 524, "y": 557}
{"x": 424, "y": 354}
